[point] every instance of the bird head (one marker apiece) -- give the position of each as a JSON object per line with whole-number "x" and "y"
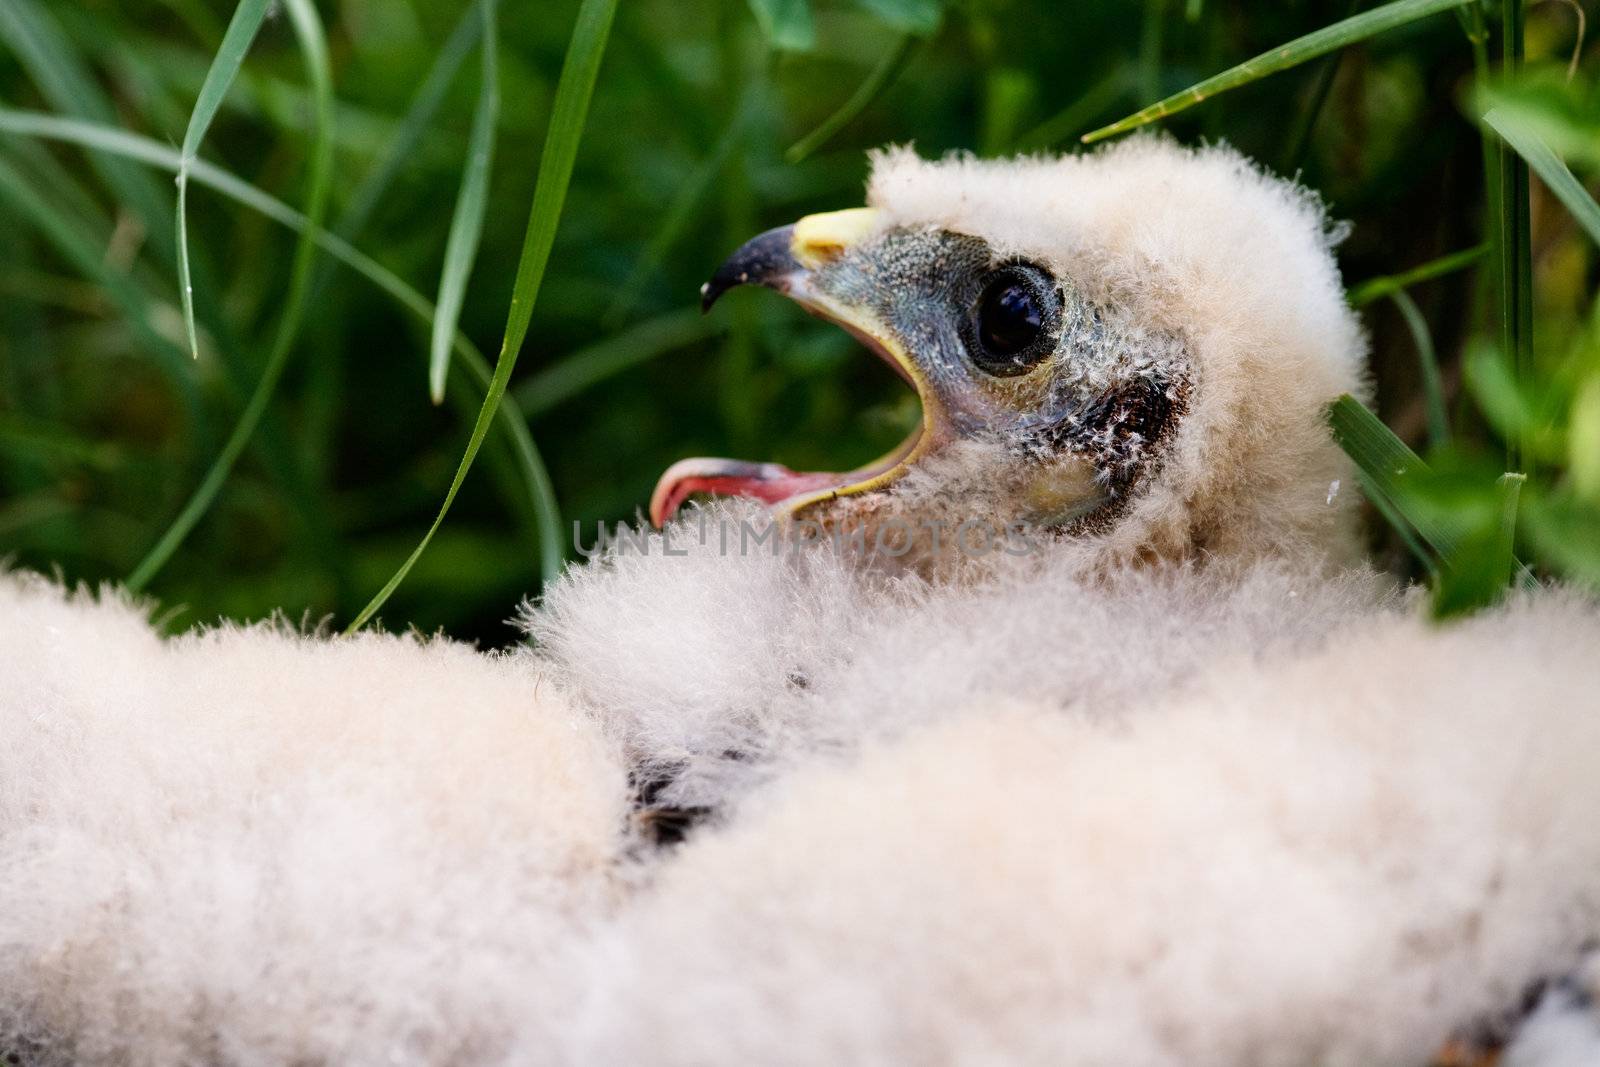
{"x": 1132, "y": 349}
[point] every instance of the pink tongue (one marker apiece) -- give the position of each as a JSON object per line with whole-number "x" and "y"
{"x": 766, "y": 482}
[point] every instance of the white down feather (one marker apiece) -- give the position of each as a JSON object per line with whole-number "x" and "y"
{"x": 1243, "y": 807}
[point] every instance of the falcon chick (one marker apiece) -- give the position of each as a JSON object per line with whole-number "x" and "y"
{"x": 1185, "y": 785}
{"x": 1096, "y": 356}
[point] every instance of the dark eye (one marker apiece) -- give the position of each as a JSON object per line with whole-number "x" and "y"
{"x": 1010, "y": 331}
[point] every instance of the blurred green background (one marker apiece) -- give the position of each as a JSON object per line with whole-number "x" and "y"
{"x": 106, "y": 425}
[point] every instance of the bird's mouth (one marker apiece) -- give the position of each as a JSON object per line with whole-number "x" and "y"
{"x": 786, "y": 259}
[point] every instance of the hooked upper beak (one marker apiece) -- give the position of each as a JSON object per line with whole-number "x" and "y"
{"x": 790, "y": 260}
{"x": 781, "y": 259}
{"x": 765, "y": 260}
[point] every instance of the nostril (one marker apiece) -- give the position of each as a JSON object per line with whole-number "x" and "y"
{"x": 817, "y": 253}
{"x": 823, "y": 238}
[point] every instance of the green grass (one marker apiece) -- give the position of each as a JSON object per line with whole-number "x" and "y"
{"x": 301, "y": 461}
{"x": 569, "y": 113}
{"x": 466, "y": 228}
{"x": 241, "y": 33}
{"x": 119, "y": 144}
{"x": 314, "y": 46}
{"x": 1341, "y": 34}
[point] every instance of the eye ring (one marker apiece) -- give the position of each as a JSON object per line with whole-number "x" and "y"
{"x": 1013, "y": 321}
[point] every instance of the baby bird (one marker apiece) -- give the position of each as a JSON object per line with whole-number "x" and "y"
{"x": 1097, "y": 355}
{"x": 1179, "y": 782}
{"x": 1121, "y": 359}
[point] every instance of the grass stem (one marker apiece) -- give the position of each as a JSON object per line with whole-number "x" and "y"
{"x": 314, "y": 46}
{"x": 877, "y": 82}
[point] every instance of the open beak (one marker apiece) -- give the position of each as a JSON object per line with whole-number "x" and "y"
{"x": 787, "y": 259}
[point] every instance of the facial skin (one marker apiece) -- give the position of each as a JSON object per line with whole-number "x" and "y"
{"x": 1038, "y": 407}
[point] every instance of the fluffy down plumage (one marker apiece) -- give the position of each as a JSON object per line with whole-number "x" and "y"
{"x": 250, "y": 846}
{"x": 1233, "y": 803}
{"x": 209, "y": 851}
{"x": 1250, "y": 873}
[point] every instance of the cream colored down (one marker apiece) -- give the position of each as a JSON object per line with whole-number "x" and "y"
{"x": 1238, "y": 804}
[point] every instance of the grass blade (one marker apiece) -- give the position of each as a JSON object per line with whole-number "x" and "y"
{"x": 1488, "y": 564}
{"x": 1505, "y": 543}
{"x": 547, "y": 514}
{"x": 1378, "y": 288}
{"x": 1398, "y": 523}
{"x": 1554, "y": 173}
{"x": 568, "y": 116}
{"x": 1476, "y": 27}
{"x": 475, "y": 367}
{"x": 425, "y": 104}
{"x": 236, "y": 42}
{"x": 1516, "y": 257}
{"x": 461, "y": 249}
{"x": 71, "y": 87}
{"x": 1428, "y": 362}
{"x": 1386, "y": 464}
{"x": 1339, "y": 35}
{"x": 314, "y": 46}
{"x": 881, "y": 77}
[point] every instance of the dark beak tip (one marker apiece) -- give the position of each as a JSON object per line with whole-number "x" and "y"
{"x": 763, "y": 260}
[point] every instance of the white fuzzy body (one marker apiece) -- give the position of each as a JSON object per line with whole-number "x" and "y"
{"x": 1334, "y": 834}
{"x": 250, "y": 847}
{"x": 1252, "y": 874}
{"x": 1198, "y": 790}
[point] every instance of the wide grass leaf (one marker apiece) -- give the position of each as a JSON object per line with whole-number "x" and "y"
{"x": 1562, "y": 182}
{"x": 466, "y": 228}
{"x": 1467, "y": 517}
{"x": 568, "y": 116}
{"x": 1388, "y": 468}
{"x": 1564, "y": 114}
{"x": 1483, "y": 567}
{"x": 236, "y": 42}
{"x": 1329, "y": 38}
